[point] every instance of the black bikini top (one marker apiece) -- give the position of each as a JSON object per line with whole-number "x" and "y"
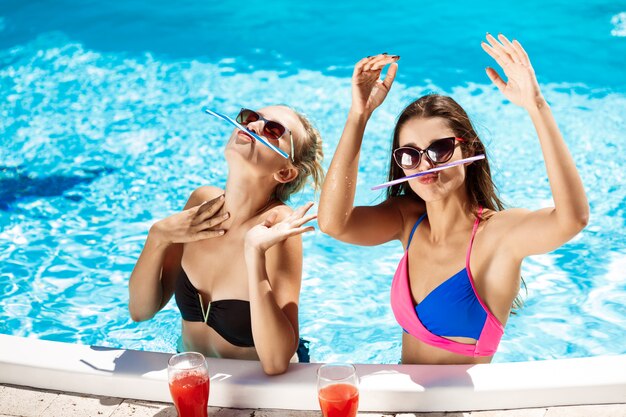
{"x": 229, "y": 318}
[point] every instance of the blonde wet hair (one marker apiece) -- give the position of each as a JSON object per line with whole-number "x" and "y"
{"x": 307, "y": 159}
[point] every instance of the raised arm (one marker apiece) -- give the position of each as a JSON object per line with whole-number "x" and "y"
{"x": 337, "y": 215}
{"x": 153, "y": 279}
{"x": 273, "y": 253}
{"x": 541, "y": 231}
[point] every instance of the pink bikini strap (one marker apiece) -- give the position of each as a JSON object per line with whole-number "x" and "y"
{"x": 476, "y": 222}
{"x": 469, "y": 271}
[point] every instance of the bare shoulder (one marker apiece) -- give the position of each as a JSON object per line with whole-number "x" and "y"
{"x": 497, "y": 226}
{"x": 410, "y": 209}
{"x": 281, "y": 211}
{"x": 202, "y": 194}
{"x": 505, "y": 219}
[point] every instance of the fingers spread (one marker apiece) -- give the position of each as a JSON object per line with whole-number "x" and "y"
{"x": 303, "y": 220}
{"x": 301, "y": 211}
{"x": 502, "y": 53}
{"x": 510, "y": 49}
{"x": 496, "y": 79}
{"x": 492, "y": 53}
{"x": 521, "y": 52}
{"x": 300, "y": 230}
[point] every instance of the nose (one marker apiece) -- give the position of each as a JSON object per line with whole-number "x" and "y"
{"x": 256, "y": 127}
{"x": 425, "y": 163}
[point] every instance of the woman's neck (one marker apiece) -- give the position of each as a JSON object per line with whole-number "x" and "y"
{"x": 448, "y": 216}
{"x": 246, "y": 196}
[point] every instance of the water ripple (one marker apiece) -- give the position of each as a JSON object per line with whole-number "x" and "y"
{"x": 96, "y": 147}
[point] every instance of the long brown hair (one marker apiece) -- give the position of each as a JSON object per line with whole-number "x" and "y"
{"x": 481, "y": 189}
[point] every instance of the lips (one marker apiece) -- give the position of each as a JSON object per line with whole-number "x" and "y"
{"x": 428, "y": 178}
{"x": 245, "y": 136}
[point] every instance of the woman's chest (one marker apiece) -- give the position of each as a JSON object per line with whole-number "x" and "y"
{"x": 217, "y": 267}
{"x": 468, "y": 269}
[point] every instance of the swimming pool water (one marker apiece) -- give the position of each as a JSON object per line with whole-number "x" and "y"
{"x": 101, "y": 134}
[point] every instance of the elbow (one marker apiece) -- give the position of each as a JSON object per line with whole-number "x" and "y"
{"x": 136, "y": 318}
{"x": 275, "y": 368}
{"x": 324, "y": 225}
{"x": 576, "y": 222}
{"x": 328, "y": 225}
{"x": 276, "y": 363}
{"x": 136, "y": 315}
{"x": 581, "y": 219}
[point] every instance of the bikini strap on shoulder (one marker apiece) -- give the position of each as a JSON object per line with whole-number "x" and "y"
{"x": 474, "y": 229}
{"x": 417, "y": 223}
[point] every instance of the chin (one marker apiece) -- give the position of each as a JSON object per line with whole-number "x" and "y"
{"x": 429, "y": 197}
{"x": 439, "y": 190}
{"x": 238, "y": 155}
{"x": 432, "y": 192}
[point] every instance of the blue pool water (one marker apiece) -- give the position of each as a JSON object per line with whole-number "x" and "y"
{"x": 101, "y": 134}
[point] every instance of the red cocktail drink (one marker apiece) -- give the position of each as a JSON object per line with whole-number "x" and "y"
{"x": 188, "y": 377}
{"x": 339, "y": 400}
{"x": 190, "y": 393}
{"x": 338, "y": 390}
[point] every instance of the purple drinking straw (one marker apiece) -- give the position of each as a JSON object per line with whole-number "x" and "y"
{"x": 429, "y": 171}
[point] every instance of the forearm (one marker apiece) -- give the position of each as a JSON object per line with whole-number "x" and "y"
{"x": 145, "y": 289}
{"x": 570, "y": 201}
{"x": 275, "y": 338}
{"x": 339, "y": 188}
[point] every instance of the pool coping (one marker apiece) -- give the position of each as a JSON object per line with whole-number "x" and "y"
{"x": 390, "y": 388}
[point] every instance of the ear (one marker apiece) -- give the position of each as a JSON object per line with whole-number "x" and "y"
{"x": 286, "y": 175}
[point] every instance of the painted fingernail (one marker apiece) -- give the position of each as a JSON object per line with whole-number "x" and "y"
{"x": 369, "y": 56}
{"x": 384, "y": 53}
{"x": 396, "y": 56}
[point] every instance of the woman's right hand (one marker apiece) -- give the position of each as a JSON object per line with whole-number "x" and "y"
{"x": 193, "y": 224}
{"x": 368, "y": 90}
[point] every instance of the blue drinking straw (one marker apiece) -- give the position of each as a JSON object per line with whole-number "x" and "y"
{"x": 429, "y": 171}
{"x": 249, "y": 132}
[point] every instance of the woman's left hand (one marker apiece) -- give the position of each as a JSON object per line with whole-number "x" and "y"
{"x": 521, "y": 88}
{"x": 268, "y": 233}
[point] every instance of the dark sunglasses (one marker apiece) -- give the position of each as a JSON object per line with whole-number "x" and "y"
{"x": 271, "y": 129}
{"x": 438, "y": 152}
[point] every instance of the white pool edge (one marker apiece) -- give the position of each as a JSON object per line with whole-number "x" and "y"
{"x": 388, "y": 388}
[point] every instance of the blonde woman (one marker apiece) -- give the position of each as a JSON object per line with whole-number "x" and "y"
{"x": 233, "y": 257}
